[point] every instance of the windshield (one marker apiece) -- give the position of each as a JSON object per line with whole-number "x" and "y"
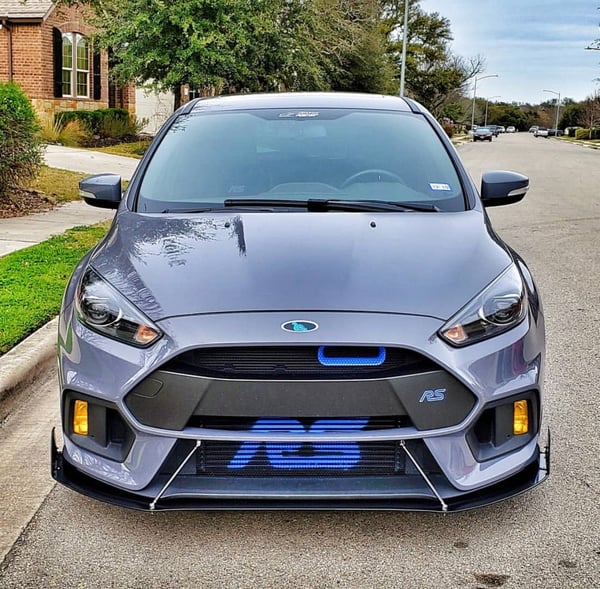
{"x": 206, "y": 159}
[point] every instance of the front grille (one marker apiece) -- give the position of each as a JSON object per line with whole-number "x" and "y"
{"x": 297, "y": 459}
{"x": 300, "y": 362}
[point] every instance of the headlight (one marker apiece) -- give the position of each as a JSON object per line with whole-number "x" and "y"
{"x": 103, "y": 309}
{"x": 498, "y": 308}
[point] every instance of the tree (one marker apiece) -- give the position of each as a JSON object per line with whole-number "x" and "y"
{"x": 336, "y": 45}
{"x": 590, "y": 111}
{"x": 362, "y": 64}
{"x": 572, "y": 115}
{"x": 504, "y": 114}
{"x": 434, "y": 75}
{"x": 224, "y": 46}
{"x": 213, "y": 45}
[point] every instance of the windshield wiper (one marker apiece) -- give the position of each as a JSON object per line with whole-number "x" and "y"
{"x": 322, "y": 205}
{"x": 216, "y": 209}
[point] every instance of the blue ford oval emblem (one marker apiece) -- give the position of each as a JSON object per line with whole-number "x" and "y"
{"x": 299, "y": 325}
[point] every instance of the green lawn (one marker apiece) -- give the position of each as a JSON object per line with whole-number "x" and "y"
{"x": 135, "y": 149}
{"x": 32, "y": 281}
{"x": 60, "y": 185}
{"x": 587, "y": 141}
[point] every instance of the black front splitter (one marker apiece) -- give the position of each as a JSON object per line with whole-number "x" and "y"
{"x": 533, "y": 474}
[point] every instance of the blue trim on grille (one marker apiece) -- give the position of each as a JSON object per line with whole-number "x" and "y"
{"x": 351, "y": 361}
{"x": 298, "y": 456}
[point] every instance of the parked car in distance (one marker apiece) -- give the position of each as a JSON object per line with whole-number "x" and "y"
{"x": 541, "y": 132}
{"x": 301, "y": 303}
{"x": 501, "y": 129}
{"x": 510, "y": 129}
{"x": 494, "y": 129}
{"x": 533, "y": 129}
{"x": 555, "y": 133}
{"x": 482, "y": 134}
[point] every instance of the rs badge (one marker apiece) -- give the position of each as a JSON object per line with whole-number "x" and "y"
{"x": 433, "y": 395}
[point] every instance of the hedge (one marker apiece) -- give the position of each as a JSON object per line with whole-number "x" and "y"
{"x": 93, "y": 120}
{"x": 586, "y": 133}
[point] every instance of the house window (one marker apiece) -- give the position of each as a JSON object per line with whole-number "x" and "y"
{"x": 75, "y": 65}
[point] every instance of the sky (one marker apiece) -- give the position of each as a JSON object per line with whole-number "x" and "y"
{"x": 533, "y": 45}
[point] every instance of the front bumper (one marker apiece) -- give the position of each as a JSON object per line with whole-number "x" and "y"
{"x": 296, "y": 495}
{"x": 164, "y": 411}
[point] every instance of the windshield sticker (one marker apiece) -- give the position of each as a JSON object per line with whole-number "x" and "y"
{"x": 299, "y": 115}
{"x": 445, "y": 187}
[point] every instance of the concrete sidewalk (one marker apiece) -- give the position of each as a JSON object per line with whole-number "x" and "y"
{"x": 20, "y": 232}
{"x": 89, "y": 162}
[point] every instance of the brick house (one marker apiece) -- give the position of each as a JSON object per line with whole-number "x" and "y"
{"x": 47, "y": 50}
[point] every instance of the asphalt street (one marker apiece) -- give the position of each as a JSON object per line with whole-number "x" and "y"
{"x": 547, "y": 538}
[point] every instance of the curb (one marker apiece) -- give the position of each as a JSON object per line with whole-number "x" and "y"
{"x": 24, "y": 363}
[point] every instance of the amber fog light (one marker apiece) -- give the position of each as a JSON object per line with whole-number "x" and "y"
{"x": 520, "y": 417}
{"x": 80, "y": 418}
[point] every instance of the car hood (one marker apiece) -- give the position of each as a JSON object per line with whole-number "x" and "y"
{"x": 406, "y": 262}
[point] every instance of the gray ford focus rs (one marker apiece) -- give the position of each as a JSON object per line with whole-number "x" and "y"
{"x": 301, "y": 304}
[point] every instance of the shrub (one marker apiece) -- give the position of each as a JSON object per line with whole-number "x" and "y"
{"x": 73, "y": 134}
{"x": 582, "y": 134}
{"x": 88, "y": 118}
{"x": 20, "y": 148}
{"x": 595, "y": 133}
{"x": 449, "y": 128}
{"x": 105, "y": 122}
{"x": 118, "y": 127}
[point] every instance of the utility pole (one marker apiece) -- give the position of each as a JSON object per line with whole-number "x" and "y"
{"x": 404, "y": 44}
{"x": 475, "y": 94}
{"x": 557, "y": 108}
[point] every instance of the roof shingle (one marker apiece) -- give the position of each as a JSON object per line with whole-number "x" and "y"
{"x": 19, "y": 9}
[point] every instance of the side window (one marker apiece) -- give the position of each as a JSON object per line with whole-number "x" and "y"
{"x": 82, "y": 65}
{"x": 67, "y": 65}
{"x": 75, "y": 65}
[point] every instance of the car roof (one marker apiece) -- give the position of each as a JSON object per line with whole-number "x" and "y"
{"x": 302, "y": 100}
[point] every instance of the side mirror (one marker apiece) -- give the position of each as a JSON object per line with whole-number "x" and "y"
{"x": 502, "y": 188}
{"x": 102, "y": 190}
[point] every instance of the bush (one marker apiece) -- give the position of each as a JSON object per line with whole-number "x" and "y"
{"x": 595, "y": 133}
{"x": 20, "y": 148}
{"x": 91, "y": 119}
{"x": 582, "y": 134}
{"x": 113, "y": 123}
{"x": 118, "y": 127}
{"x": 449, "y": 128}
{"x": 73, "y": 134}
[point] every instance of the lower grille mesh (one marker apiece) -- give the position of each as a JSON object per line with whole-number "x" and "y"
{"x": 325, "y": 459}
{"x": 301, "y": 459}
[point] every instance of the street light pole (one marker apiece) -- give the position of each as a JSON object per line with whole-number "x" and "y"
{"x": 486, "y": 108}
{"x": 475, "y": 94}
{"x": 557, "y": 108}
{"x": 404, "y": 43}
